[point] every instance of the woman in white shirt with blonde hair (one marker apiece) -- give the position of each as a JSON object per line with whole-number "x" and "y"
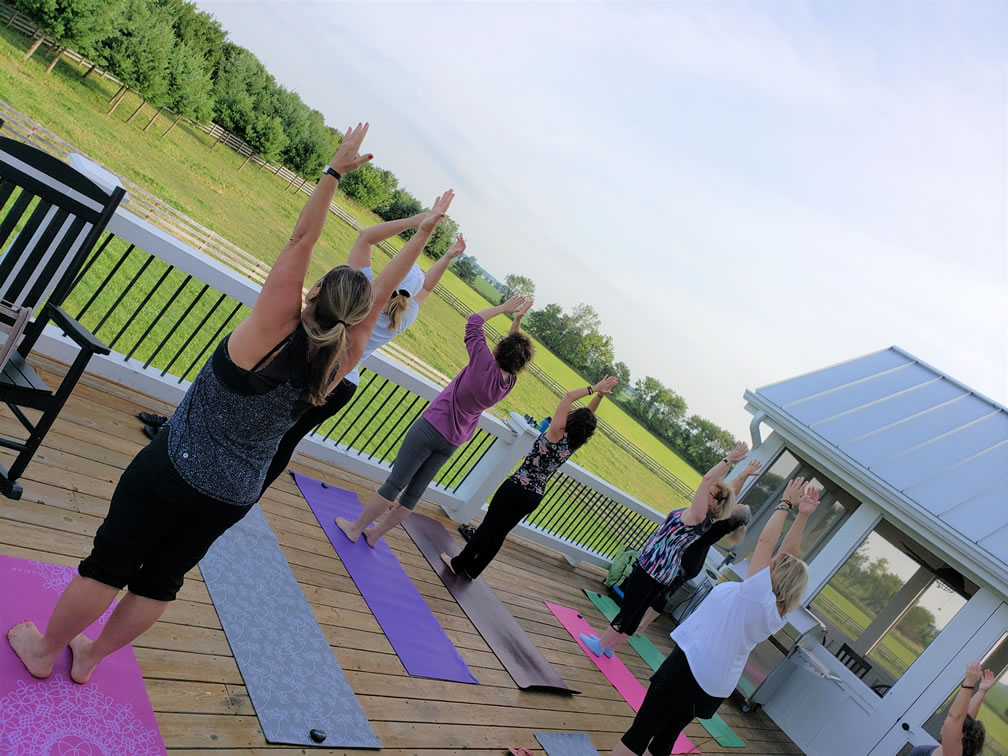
{"x": 713, "y": 643}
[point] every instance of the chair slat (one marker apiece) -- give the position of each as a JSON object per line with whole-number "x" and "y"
{"x": 51, "y": 168}
{"x": 6, "y": 189}
{"x": 26, "y": 241}
{"x": 40, "y": 252}
{"x": 9, "y": 223}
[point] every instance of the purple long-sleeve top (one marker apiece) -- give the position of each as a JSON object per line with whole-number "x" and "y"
{"x": 478, "y": 386}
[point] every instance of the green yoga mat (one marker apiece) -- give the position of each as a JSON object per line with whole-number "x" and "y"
{"x": 647, "y": 651}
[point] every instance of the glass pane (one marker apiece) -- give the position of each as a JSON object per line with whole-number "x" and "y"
{"x": 829, "y": 514}
{"x": 919, "y": 625}
{"x": 860, "y": 589}
{"x": 769, "y": 481}
{"x": 994, "y": 709}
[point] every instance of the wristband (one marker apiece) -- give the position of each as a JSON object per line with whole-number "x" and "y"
{"x": 968, "y": 687}
{"x": 332, "y": 172}
{"x": 590, "y": 392}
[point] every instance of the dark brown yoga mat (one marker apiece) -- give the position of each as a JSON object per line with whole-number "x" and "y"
{"x": 523, "y": 661}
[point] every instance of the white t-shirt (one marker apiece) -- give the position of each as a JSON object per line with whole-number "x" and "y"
{"x": 718, "y": 636}
{"x": 382, "y": 333}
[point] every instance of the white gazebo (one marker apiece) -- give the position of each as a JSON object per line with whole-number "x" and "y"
{"x": 908, "y": 553}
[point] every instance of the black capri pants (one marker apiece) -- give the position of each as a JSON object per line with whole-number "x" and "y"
{"x": 673, "y": 699}
{"x": 640, "y": 591}
{"x": 509, "y": 506}
{"x": 158, "y": 527}
{"x": 338, "y": 399}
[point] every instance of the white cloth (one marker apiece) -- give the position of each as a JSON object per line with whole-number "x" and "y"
{"x": 718, "y": 636}
{"x": 382, "y": 333}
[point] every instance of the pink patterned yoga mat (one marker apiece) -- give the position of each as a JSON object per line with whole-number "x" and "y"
{"x": 109, "y": 716}
{"x": 614, "y": 670}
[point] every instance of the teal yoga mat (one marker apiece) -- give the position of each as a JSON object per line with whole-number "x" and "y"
{"x": 647, "y": 651}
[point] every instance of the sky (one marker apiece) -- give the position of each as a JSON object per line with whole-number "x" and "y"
{"x": 744, "y": 191}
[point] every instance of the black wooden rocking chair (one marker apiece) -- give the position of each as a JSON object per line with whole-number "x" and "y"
{"x": 55, "y": 215}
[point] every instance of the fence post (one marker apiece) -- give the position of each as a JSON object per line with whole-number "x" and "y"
{"x": 491, "y": 470}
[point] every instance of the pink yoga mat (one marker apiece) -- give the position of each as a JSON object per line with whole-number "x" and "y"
{"x": 614, "y": 670}
{"x": 111, "y": 714}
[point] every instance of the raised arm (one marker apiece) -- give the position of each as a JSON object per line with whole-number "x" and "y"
{"x": 277, "y": 309}
{"x": 697, "y": 510}
{"x": 511, "y": 305}
{"x": 986, "y": 683}
{"x": 806, "y": 506}
{"x": 771, "y": 531}
{"x": 751, "y": 471}
{"x": 520, "y": 313}
{"x": 559, "y": 422}
{"x": 437, "y": 270}
{"x": 951, "y": 731}
{"x": 360, "y": 251}
{"x": 389, "y": 278}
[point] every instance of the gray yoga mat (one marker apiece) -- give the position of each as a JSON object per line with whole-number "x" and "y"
{"x": 566, "y": 744}
{"x": 295, "y": 683}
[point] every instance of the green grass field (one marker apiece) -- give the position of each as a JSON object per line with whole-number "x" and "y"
{"x": 251, "y": 209}
{"x": 488, "y": 292}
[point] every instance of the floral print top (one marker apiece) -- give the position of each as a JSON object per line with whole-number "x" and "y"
{"x": 663, "y": 551}
{"x": 541, "y": 462}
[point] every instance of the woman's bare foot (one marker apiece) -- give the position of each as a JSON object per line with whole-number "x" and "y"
{"x": 83, "y": 665}
{"x": 26, "y": 639}
{"x": 372, "y": 537}
{"x": 447, "y": 560}
{"x": 348, "y": 528}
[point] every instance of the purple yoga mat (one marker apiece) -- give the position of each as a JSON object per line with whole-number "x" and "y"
{"x": 408, "y": 623}
{"x": 110, "y": 714}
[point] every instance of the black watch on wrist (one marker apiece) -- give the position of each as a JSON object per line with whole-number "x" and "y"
{"x": 332, "y": 172}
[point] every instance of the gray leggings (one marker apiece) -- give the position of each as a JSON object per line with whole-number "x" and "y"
{"x": 424, "y": 451}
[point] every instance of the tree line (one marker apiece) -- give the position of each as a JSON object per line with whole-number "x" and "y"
{"x": 576, "y": 337}
{"x": 178, "y": 58}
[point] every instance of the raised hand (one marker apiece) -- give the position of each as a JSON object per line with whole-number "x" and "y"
{"x": 793, "y": 491}
{"x": 514, "y": 304}
{"x": 738, "y": 453}
{"x": 752, "y": 468}
{"x": 457, "y": 248}
{"x": 809, "y": 500}
{"x": 347, "y": 158}
{"x": 437, "y": 213}
{"x": 987, "y": 680}
{"x": 973, "y": 673}
{"x": 523, "y": 310}
{"x": 606, "y": 385}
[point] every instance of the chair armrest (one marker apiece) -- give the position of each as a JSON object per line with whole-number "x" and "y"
{"x": 83, "y": 337}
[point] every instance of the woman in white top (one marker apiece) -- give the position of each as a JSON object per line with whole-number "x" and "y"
{"x": 713, "y": 643}
{"x": 402, "y": 309}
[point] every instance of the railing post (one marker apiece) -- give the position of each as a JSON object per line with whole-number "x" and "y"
{"x": 491, "y": 470}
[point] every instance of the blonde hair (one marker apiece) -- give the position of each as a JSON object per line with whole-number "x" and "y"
{"x": 724, "y": 500}
{"x": 788, "y": 578}
{"x": 344, "y": 299}
{"x": 396, "y": 308}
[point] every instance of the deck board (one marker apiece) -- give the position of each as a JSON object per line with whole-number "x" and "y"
{"x": 195, "y": 686}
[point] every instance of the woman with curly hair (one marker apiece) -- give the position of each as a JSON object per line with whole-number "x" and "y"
{"x": 520, "y": 494}
{"x": 962, "y": 734}
{"x": 448, "y": 422}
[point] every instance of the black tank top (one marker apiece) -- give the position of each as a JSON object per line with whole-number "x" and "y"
{"x": 227, "y": 427}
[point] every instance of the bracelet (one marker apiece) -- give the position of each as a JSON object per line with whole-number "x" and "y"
{"x": 968, "y": 687}
{"x": 332, "y": 172}
{"x": 790, "y": 504}
{"x": 782, "y": 508}
{"x": 590, "y": 392}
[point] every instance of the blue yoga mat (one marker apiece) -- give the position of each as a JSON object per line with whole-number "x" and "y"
{"x": 566, "y": 744}
{"x": 408, "y": 623}
{"x": 295, "y": 683}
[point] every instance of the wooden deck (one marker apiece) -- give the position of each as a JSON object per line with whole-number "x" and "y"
{"x": 194, "y": 684}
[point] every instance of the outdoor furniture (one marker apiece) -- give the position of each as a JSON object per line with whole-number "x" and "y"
{"x": 52, "y": 218}
{"x": 13, "y": 321}
{"x": 853, "y": 661}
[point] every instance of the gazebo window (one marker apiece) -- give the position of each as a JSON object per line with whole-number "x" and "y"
{"x": 994, "y": 709}
{"x": 884, "y": 606}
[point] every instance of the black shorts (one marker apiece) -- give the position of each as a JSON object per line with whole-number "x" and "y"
{"x": 640, "y": 591}
{"x": 158, "y": 527}
{"x": 673, "y": 699}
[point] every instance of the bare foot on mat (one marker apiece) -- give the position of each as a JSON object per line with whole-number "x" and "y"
{"x": 25, "y": 639}
{"x": 83, "y": 666}
{"x": 372, "y": 538}
{"x": 348, "y": 529}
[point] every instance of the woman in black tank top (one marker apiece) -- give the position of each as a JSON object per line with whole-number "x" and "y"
{"x": 202, "y": 474}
